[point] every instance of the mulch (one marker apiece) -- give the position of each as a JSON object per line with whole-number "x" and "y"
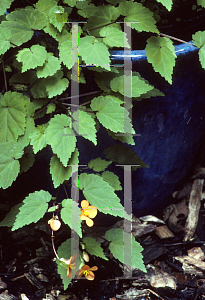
{"x": 174, "y": 255}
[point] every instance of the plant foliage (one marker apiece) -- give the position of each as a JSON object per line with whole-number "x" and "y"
{"x": 42, "y": 58}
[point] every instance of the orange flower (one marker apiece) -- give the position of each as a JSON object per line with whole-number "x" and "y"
{"x": 71, "y": 264}
{"x": 88, "y": 212}
{"x": 87, "y": 271}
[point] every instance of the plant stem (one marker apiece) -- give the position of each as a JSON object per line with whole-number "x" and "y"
{"x": 52, "y": 238}
{"x": 176, "y": 39}
{"x": 5, "y": 82}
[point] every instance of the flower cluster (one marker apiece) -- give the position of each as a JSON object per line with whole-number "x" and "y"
{"x": 88, "y": 212}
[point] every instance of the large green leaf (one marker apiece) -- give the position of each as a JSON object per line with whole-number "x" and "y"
{"x": 110, "y": 114}
{"x": 12, "y": 116}
{"x": 10, "y": 152}
{"x": 199, "y": 41}
{"x": 5, "y": 35}
{"x": 93, "y": 247}
{"x": 61, "y": 138}
{"x": 70, "y": 208}
{"x": 136, "y": 12}
{"x": 94, "y": 53}
{"x": 45, "y": 6}
{"x": 23, "y": 22}
{"x": 34, "y": 207}
{"x": 161, "y": 54}
{"x": 139, "y": 85}
{"x": 60, "y": 173}
{"x": 117, "y": 237}
{"x": 32, "y": 57}
{"x": 85, "y": 9}
{"x": 100, "y": 194}
{"x": 85, "y": 125}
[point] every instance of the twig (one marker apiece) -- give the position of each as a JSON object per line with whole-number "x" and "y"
{"x": 176, "y": 39}
{"x": 5, "y": 82}
{"x": 81, "y": 95}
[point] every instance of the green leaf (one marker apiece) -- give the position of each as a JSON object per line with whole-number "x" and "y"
{"x": 65, "y": 53}
{"x": 93, "y": 247}
{"x": 104, "y": 15}
{"x": 26, "y": 162}
{"x": 5, "y": 35}
{"x": 64, "y": 251}
{"x": 57, "y": 17}
{"x": 161, "y": 54}
{"x": 34, "y": 207}
{"x": 59, "y": 172}
{"x": 70, "y": 2}
{"x": 45, "y": 6}
{"x": 167, "y": 3}
{"x": 123, "y": 138}
{"x": 94, "y": 53}
{"x": 85, "y": 9}
{"x": 55, "y": 85}
{"x": 70, "y": 207}
{"x": 114, "y": 37}
{"x": 50, "y": 67}
{"x": 4, "y": 5}
{"x": 85, "y": 125}
{"x": 112, "y": 179}
{"x": 23, "y": 22}
{"x": 110, "y": 114}
{"x": 139, "y": 86}
{"x": 199, "y": 41}
{"x": 9, "y": 220}
{"x": 100, "y": 194}
{"x": 124, "y": 156}
{"x": 10, "y": 152}
{"x": 136, "y": 12}
{"x": 50, "y": 108}
{"x": 38, "y": 90}
{"x": 38, "y": 138}
{"x": 98, "y": 164}
{"x": 201, "y": 2}
{"x": 61, "y": 138}
{"x": 12, "y": 116}
{"x": 32, "y": 57}
{"x": 117, "y": 237}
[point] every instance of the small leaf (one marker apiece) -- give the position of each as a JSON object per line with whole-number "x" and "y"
{"x": 167, "y": 3}
{"x": 93, "y": 247}
{"x": 38, "y": 138}
{"x": 32, "y": 58}
{"x": 199, "y": 41}
{"x": 59, "y": 172}
{"x": 5, "y": 35}
{"x": 94, "y": 53}
{"x": 70, "y": 209}
{"x": 117, "y": 238}
{"x": 26, "y": 162}
{"x": 49, "y": 68}
{"x": 12, "y": 116}
{"x": 98, "y": 164}
{"x": 57, "y": 17}
{"x": 34, "y": 207}
{"x": 112, "y": 179}
{"x": 114, "y": 37}
{"x": 161, "y": 54}
{"x": 4, "y": 5}
{"x": 61, "y": 138}
{"x": 85, "y": 125}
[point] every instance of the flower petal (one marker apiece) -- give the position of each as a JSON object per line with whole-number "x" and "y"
{"x": 73, "y": 258}
{"x": 69, "y": 272}
{"x": 93, "y": 212}
{"x": 89, "y": 222}
{"x": 84, "y": 203}
{"x": 90, "y": 275}
{"x": 95, "y": 268}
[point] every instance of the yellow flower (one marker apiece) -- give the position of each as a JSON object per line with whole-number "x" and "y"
{"x": 88, "y": 212}
{"x": 71, "y": 264}
{"x": 87, "y": 271}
